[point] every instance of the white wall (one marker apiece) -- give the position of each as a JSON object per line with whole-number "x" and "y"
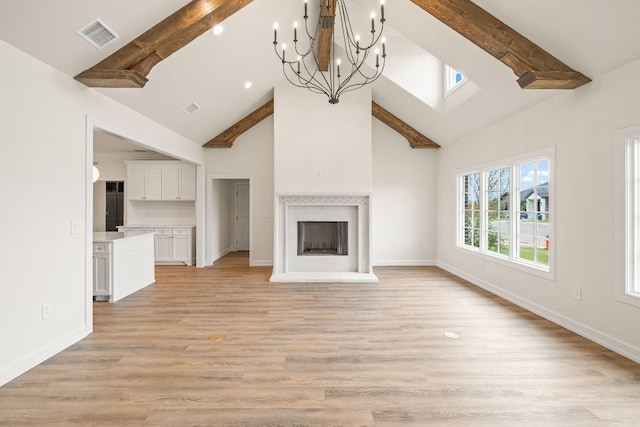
{"x": 320, "y": 147}
{"x": 112, "y": 170}
{"x": 581, "y": 125}
{"x": 159, "y": 212}
{"x": 404, "y": 200}
{"x": 403, "y": 184}
{"x": 45, "y": 161}
{"x": 219, "y": 209}
{"x": 251, "y": 157}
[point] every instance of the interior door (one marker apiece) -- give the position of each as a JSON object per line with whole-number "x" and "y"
{"x": 242, "y": 216}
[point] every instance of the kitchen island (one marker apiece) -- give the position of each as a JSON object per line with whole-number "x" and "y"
{"x": 123, "y": 263}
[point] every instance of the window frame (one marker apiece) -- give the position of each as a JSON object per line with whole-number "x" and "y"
{"x": 512, "y": 260}
{"x": 628, "y": 215}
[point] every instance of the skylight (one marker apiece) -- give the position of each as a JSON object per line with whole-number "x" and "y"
{"x": 452, "y": 79}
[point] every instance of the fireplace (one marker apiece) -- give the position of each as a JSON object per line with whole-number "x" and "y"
{"x": 322, "y": 238}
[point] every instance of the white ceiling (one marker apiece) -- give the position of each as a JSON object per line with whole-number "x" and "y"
{"x": 592, "y": 36}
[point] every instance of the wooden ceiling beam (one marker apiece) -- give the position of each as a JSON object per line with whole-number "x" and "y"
{"x": 415, "y": 138}
{"x": 130, "y": 65}
{"x": 535, "y": 67}
{"x": 227, "y": 138}
{"x": 325, "y": 38}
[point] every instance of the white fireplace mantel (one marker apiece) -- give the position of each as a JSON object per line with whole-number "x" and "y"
{"x": 352, "y": 208}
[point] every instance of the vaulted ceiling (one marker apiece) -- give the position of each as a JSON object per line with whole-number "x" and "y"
{"x": 570, "y": 40}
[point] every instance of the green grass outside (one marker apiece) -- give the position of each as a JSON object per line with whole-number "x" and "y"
{"x": 526, "y": 253}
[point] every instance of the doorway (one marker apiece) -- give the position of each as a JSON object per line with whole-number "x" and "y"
{"x": 229, "y": 213}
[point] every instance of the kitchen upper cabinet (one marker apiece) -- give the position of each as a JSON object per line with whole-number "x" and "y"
{"x": 178, "y": 182}
{"x": 157, "y": 180}
{"x": 144, "y": 182}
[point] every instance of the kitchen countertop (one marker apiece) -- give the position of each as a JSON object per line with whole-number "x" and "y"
{"x": 155, "y": 226}
{"x": 110, "y": 236}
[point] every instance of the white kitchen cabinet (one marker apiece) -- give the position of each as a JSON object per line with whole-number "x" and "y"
{"x": 178, "y": 182}
{"x": 182, "y": 244}
{"x": 164, "y": 250}
{"x": 144, "y": 181}
{"x": 173, "y": 244}
{"x": 102, "y": 270}
{"x": 161, "y": 180}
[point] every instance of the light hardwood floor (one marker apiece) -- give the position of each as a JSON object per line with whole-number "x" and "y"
{"x": 323, "y": 355}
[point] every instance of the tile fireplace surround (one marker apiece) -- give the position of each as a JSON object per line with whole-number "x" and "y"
{"x": 353, "y": 267}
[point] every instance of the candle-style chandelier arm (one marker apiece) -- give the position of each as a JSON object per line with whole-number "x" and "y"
{"x": 302, "y": 68}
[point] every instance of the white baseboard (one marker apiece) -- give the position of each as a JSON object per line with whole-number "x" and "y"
{"x": 34, "y": 359}
{"x": 262, "y": 263}
{"x": 403, "y": 263}
{"x": 220, "y": 255}
{"x": 605, "y": 340}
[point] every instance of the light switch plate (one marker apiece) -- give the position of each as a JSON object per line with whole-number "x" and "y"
{"x": 76, "y": 227}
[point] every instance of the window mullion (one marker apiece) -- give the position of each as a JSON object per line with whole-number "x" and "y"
{"x": 484, "y": 206}
{"x": 514, "y": 205}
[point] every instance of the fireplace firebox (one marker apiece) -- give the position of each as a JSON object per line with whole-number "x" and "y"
{"x": 323, "y": 238}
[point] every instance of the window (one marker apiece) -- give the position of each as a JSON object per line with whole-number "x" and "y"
{"x": 471, "y": 190}
{"x": 452, "y": 79}
{"x": 506, "y": 211}
{"x": 632, "y": 217}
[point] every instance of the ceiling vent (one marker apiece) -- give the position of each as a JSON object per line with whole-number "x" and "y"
{"x": 97, "y": 33}
{"x": 191, "y": 108}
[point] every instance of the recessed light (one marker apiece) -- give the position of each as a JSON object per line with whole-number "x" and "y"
{"x": 247, "y": 85}
{"x": 217, "y": 30}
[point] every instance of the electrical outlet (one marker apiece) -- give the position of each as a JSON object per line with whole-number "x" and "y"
{"x": 577, "y": 293}
{"x": 46, "y": 310}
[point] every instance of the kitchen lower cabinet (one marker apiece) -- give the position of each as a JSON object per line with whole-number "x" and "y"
{"x": 164, "y": 252}
{"x": 102, "y": 270}
{"x": 173, "y": 244}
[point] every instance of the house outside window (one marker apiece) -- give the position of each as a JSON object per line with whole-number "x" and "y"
{"x": 506, "y": 212}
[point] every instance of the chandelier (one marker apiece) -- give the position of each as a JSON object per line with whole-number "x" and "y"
{"x": 305, "y": 66}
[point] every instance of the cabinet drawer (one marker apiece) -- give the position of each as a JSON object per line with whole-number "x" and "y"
{"x": 101, "y": 248}
{"x": 181, "y": 231}
{"x": 163, "y": 231}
